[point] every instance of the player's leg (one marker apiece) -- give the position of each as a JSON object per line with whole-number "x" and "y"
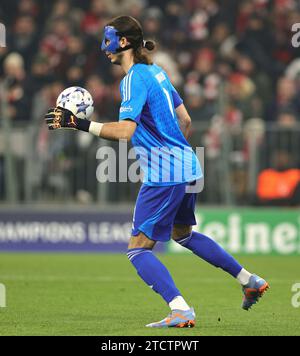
{"x": 202, "y": 245}
{"x": 252, "y": 285}
{"x": 152, "y": 222}
{"x": 149, "y": 267}
{"x": 207, "y": 249}
{"x": 157, "y": 277}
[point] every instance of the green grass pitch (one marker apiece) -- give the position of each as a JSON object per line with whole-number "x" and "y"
{"x": 100, "y": 294}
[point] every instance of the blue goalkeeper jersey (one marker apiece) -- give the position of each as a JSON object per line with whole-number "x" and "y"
{"x": 149, "y": 99}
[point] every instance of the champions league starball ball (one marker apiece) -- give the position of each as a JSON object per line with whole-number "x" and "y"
{"x": 78, "y": 100}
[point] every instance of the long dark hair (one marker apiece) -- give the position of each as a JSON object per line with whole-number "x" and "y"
{"x": 133, "y": 32}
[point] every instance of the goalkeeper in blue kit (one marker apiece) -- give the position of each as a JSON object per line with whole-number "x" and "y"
{"x": 153, "y": 116}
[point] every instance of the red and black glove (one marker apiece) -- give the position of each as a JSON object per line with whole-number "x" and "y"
{"x": 59, "y": 118}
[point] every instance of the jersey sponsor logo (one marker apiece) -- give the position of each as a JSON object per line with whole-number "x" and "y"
{"x": 126, "y": 109}
{"x": 160, "y": 77}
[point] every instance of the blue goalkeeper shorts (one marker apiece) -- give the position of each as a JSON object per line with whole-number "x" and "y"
{"x": 157, "y": 209}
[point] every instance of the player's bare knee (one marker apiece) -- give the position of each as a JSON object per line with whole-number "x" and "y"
{"x": 180, "y": 231}
{"x": 141, "y": 241}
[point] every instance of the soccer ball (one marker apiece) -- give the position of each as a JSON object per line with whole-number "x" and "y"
{"x": 78, "y": 100}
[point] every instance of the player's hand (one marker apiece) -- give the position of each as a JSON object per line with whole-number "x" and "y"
{"x": 59, "y": 118}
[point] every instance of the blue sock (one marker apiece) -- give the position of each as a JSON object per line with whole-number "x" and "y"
{"x": 211, "y": 252}
{"x": 153, "y": 273}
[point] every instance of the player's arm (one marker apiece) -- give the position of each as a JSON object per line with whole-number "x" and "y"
{"x": 184, "y": 120}
{"x": 59, "y": 118}
{"x": 134, "y": 95}
{"x": 116, "y": 130}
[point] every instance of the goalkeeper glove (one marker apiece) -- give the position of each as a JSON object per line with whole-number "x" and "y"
{"x": 59, "y": 118}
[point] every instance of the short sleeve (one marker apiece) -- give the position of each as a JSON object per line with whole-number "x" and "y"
{"x": 134, "y": 96}
{"x": 177, "y": 100}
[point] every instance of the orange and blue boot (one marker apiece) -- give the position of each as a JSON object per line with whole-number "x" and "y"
{"x": 177, "y": 319}
{"x": 254, "y": 290}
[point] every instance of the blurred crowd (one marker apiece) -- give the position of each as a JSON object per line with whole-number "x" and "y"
{"x": 231, "y": 60}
